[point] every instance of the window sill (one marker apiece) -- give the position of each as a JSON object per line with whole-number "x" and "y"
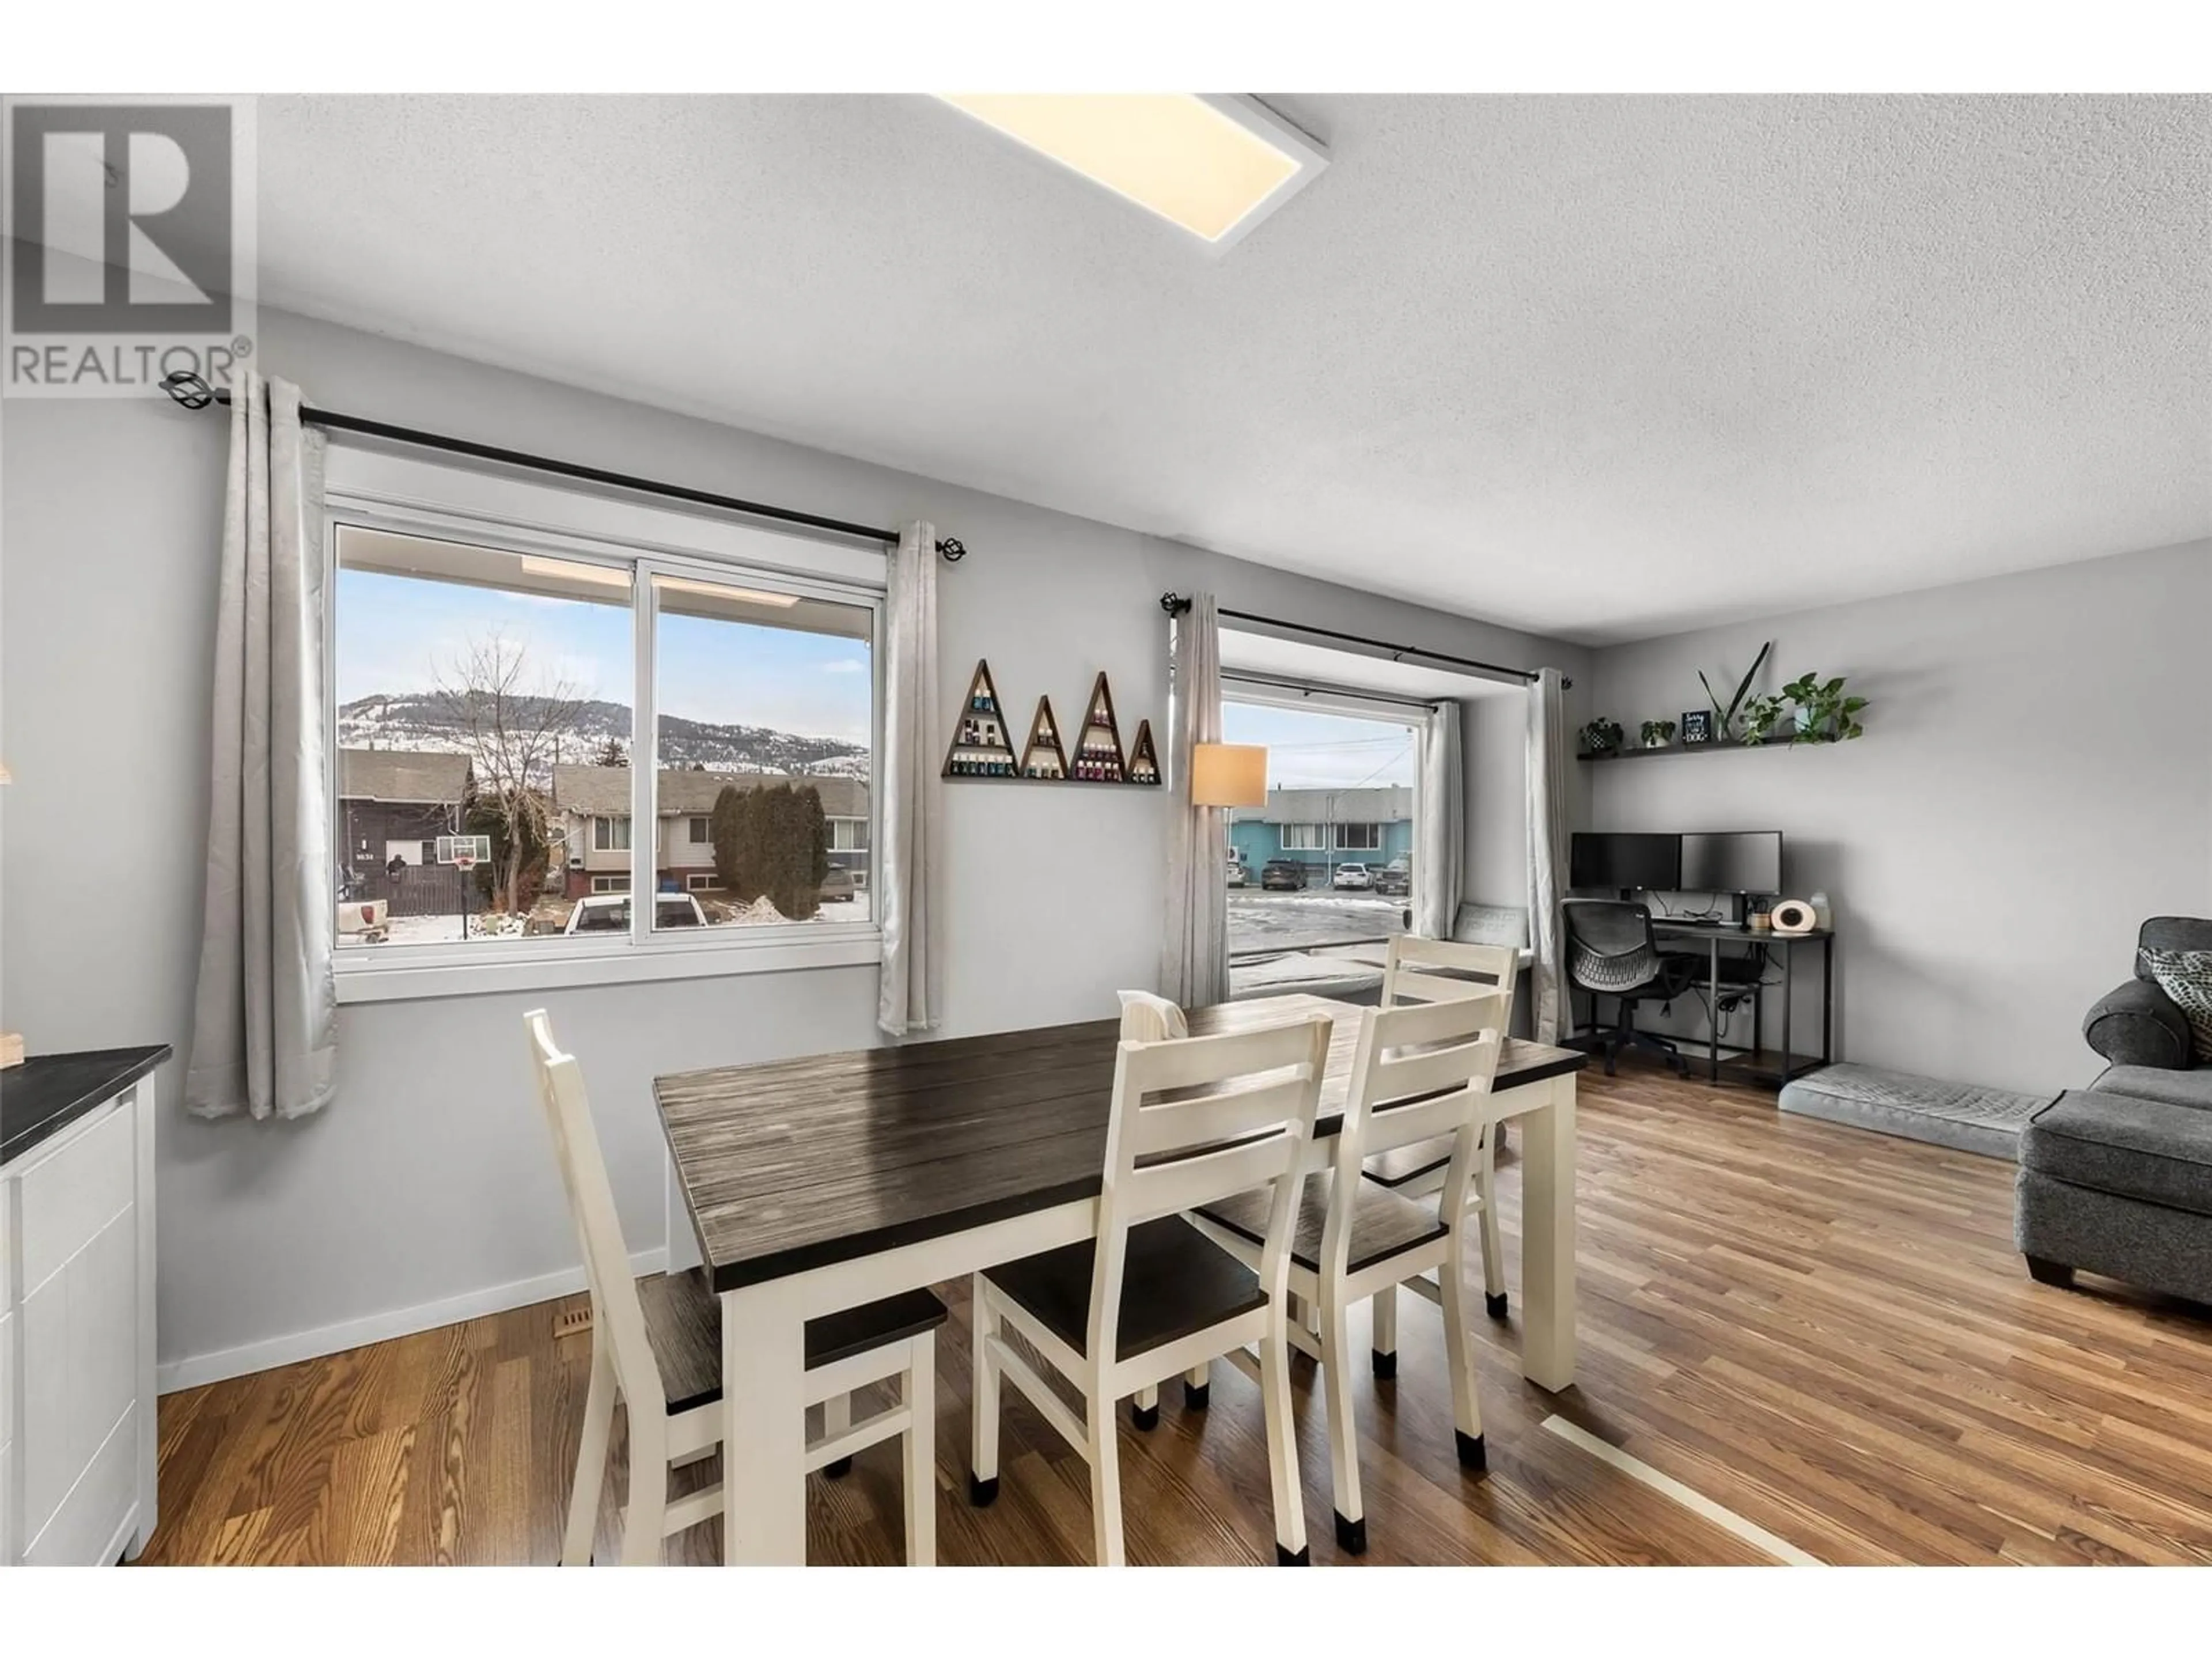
{"x": 440, "y": 971}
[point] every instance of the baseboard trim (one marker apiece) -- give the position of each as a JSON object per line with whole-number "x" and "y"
{"x": 221, "y": 1366}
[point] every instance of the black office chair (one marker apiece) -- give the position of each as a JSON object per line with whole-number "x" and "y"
{"x": 1611, "y": 953}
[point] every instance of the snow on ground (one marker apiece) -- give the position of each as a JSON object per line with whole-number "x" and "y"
{"x": 1283, "y": 942}
{"x": 445, "y": 930}
{"x": 1319, "y": 972}
{"x": 1298, "y": 921}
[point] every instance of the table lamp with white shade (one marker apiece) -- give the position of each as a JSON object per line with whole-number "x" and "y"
{"x": 1228, "y": 774}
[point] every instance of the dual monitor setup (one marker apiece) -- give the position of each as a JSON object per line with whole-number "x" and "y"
{"x": 1739, "y": 864}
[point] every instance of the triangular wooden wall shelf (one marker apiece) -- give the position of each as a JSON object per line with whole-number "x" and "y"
{"x": 980, "y": 748}
{"x": 1144, "y": 762}
{"x": 1097, "y": 757}
{"x": 1042, "y": 756}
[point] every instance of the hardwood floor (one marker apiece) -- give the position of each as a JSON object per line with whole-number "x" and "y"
{"x": 1823, "y": 1330}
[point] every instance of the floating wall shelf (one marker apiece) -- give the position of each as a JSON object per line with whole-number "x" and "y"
{"x": 1630, "y": 752}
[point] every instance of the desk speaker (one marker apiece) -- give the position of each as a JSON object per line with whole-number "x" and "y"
{"x": 1794, "y": 916}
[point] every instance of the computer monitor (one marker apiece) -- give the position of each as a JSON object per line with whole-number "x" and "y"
{"x": 1651, "y": 862}
{"x": 1744, "y": 861}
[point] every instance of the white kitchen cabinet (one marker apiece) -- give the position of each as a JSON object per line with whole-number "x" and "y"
{"x": 77, "y": 1421}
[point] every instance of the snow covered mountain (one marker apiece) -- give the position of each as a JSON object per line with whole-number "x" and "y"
{"x": 422, "y": 721}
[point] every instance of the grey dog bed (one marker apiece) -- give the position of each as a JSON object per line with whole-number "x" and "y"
{"x": 1961, "y": 1114}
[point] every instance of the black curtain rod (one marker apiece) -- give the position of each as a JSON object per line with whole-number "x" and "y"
{"x": 194, "y": 392}
{"x": 1175, "y": 605}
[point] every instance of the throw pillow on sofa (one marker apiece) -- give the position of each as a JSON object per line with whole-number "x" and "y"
{"x": 2186, "y": 977}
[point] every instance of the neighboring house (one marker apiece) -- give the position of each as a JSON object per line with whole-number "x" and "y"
{"x": 1321, "y": 829}
{"x": 397, "y": 801}
{"x": 591, "y": 806}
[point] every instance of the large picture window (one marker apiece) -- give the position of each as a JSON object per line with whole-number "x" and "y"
{"x": 783, "y": 684}
{"x": 524, "y": 714}
{"x": 1322, "y": 872}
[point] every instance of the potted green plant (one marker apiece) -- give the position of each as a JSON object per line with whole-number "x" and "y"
{"x": 1824, "y": 713}
{"x": 1761, "y": 714}
{"x": 1736, "y": 704}
{"x": 1658, "y": 734}
{"x": 1602, "y": 735}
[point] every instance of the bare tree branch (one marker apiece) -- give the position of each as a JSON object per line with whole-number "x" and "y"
{"x": 512, "y": 735}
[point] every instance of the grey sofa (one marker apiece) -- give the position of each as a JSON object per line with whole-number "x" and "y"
{"x": 2118, "y": 1178}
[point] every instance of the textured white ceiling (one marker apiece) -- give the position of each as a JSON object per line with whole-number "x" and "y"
{"x": 1598, "y": 366}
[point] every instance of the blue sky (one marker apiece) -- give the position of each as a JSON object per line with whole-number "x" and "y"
{"x": 1321, "y": 752}
{"x": 401, "y": 634}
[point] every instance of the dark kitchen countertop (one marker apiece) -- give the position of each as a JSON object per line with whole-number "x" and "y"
{"x": 49, "y": 1092}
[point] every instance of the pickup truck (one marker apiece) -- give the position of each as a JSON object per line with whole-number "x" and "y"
{"x": 608, "y": 913}
{"x": 366, "y": 921}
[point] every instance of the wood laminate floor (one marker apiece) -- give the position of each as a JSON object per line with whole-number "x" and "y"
{"x": 1823, "y": 1330}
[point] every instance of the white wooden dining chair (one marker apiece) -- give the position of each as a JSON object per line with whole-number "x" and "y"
{"x": 1147, "y": 1018}
{"x": 1440, "y": 970}
{"x": 1149, "y": 1297}
{"x": 1420, "y": 1072}
{"x": 656, "y": 1346}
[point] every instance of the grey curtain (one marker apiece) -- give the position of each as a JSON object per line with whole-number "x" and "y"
{"x": 1547, "y": 846}
{"x": 1440, "y": 847}
{"x": 911, "y": 996}
{"x": 264, "y": 1017}
{"x": 1195, "y": 960}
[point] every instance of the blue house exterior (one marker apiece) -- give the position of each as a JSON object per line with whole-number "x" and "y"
{"x": 1321, "y": 829}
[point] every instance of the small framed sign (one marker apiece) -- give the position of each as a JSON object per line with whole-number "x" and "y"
{"x": 1697, "y": 726}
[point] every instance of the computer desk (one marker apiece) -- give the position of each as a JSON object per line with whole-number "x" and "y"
{"x": 1757, "y": 1064}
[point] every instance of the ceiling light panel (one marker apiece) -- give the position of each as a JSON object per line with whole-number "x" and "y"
{"x": 1214, "y": 164}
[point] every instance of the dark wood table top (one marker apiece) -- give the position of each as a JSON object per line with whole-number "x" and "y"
{"x": 790, "y": 1165}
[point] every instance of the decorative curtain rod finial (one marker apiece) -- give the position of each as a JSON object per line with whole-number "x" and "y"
{"x": 189, "y": 389}
{"x": 1173, "y": 604}
{"x": 951, "y": 549}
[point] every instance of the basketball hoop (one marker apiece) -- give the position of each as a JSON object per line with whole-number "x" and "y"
{"x": 463, "y": 852}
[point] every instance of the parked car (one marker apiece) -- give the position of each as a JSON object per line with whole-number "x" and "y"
{"x": 1282, "y": 876}
{"x": 1394, "y": 878}
{"x": 1352, "y": 877}
{"x": 1238, "y": 875}
{"x": 838, "y": 886}
{"x": 608, "y": 913}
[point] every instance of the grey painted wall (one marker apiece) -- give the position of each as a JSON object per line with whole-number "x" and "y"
{"x": 1496, "y": 730}
{"x": 429, "y": 1179}
{"x": 2035, "y": 780}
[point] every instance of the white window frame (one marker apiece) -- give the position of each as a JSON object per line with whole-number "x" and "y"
{"x": 1308, "y": 838}
{"x": 1373, "y": 844}
{"x": 603, "y": 832}
{"x": 408, "y": 495}
{"x": 603, "y": 885}
{"x": 699, "y": 829}
{"x": 855, "y": 846}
